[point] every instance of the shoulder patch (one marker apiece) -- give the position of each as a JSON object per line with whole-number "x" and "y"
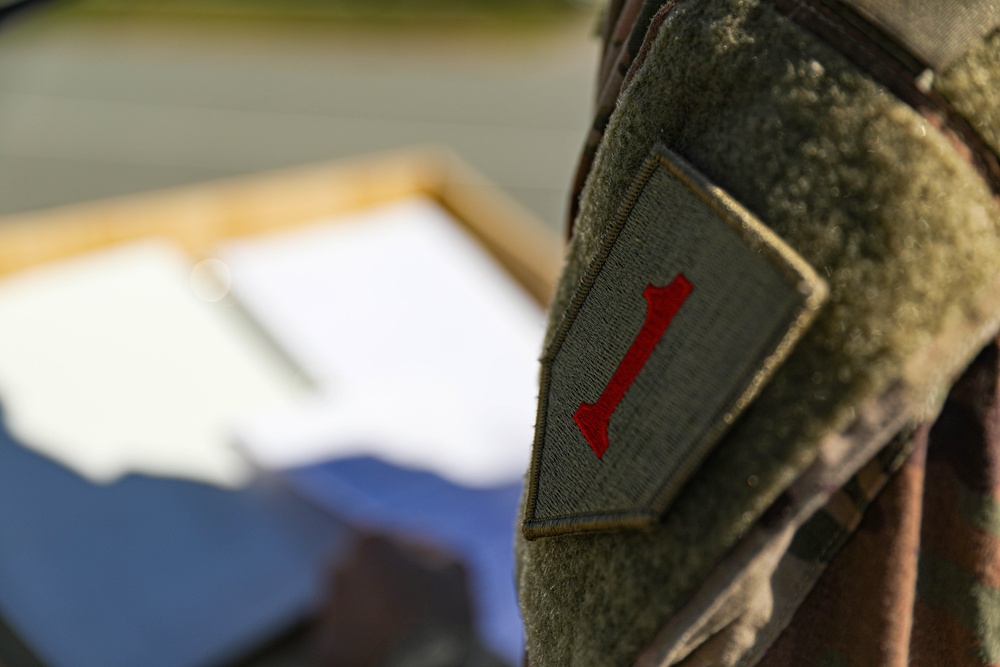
{"x": 683, "y": 316}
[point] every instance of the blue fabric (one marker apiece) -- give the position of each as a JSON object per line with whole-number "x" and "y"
{"x": 476, "y": 524}
{"x": 152, "y": 572}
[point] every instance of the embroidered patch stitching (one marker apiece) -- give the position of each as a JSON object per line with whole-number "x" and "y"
{"x": 756, "y": 236}
{"x": 662, "y": 303}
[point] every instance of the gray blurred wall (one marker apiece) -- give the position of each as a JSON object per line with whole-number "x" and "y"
{"x": 97, "y": 106}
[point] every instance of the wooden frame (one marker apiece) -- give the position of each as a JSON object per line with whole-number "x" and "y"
{"x": 199, "y": 216}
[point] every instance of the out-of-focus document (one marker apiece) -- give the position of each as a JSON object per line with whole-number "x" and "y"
{"x": 110, "y": 363}
{"x": 425, "y": 350}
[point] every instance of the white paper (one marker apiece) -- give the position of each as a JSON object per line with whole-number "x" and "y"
{"x": 425, "y": 349}
{"x": 110, "y": 364}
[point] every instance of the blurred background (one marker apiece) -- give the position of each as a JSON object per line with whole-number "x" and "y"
{"x": 174, "y": 368}
{"x": 106, "y": 97}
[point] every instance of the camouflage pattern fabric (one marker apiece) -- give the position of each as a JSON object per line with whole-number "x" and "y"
{"x": 901, "y": 566}
{"x": 918, "y": 581}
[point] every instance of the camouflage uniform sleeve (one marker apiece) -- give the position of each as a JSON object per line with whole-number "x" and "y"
{"x": 869, "y": 144}
{"x": 918, "y": 581}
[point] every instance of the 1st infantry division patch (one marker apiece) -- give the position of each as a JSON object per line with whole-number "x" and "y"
{"x": 687, "y": 310}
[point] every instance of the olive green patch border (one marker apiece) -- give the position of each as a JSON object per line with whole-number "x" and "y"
{"x": 759, "y": 237}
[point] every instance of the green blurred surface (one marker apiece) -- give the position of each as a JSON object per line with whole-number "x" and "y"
{"x": 102, "y": 103}
{"x": 507, "y": 10}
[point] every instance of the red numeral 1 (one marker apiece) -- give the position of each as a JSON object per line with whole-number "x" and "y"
{"x": 662, "y": 303}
